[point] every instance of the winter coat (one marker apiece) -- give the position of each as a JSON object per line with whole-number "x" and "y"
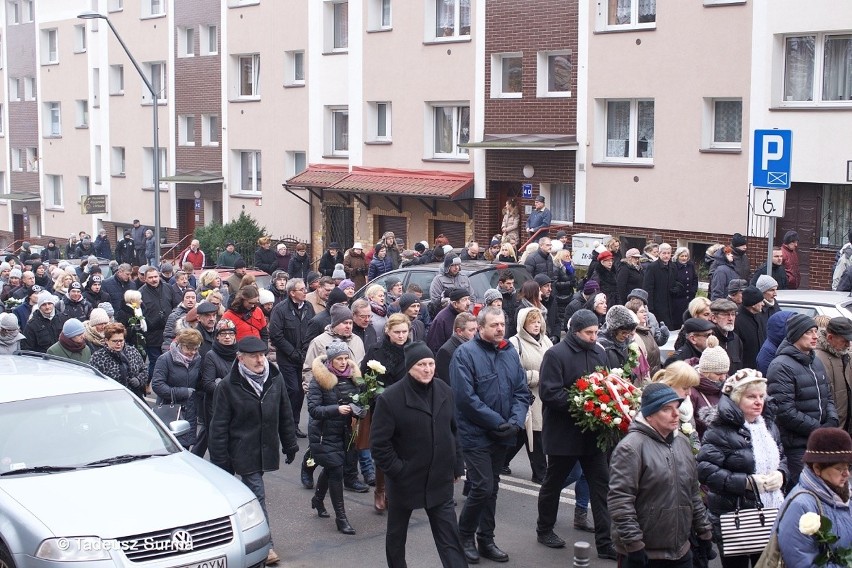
{"x": 197, "y": 258}
{"x": 646, "y": 343}
{"x": 443, "y": 282}
{"x": 379, "y": 266}
{"x": 174, "y": 382}
{"x": 531, "y": 352}
{"x": 441, "y": 329}
{"x": 628, "y": 278}
{"x": 607, "y": 279}
{"x": 355, "y": 266}
{"x": 776, "y": 330}
{"x": 125, "y": 252}
{"x": 798, "y": 383}
{"x": 578, "y": 300}
{"x": 138, "y": 235}
{"x": 50, "y": 253}
{"x": 721, "y": 275}
{"x": 102, "y": 248}
{"x": 214, "y": 369}
{"x": 327, "y": 263}
{"x": 509, "y": 226}
{"x": 685, "y": 288}
{"x": 264, "y": 259}
{"x": 228, "y": 259}
{"x": 658, "y": 282}
{"x": 169, "y": 332}
{"x": 654, "y": 501}
{"x": 317, "y": 349}
{"x": 96, "y": 299}
{"x": 778, "y": 274}
{"x": 149, "y": 249}
{"x": 288, "y": 331}
{"x": 252, "y": 323}
{"x": 727, "y": 458}
{"x": 391, "y": 356}
{"x": 616, "y": 354}
{"x": 733, "y": 346}
{"x": 157, "y": 304}
{"x": 329, "y": 432}
{"x": 413, "y": 441}
{"x": 741, "y": 264}
{"x": 791, "y": 267}
{"x": 59, "y": 350}
{"x": 116, "y": 289}
{"x": 108, "y": 362}
{"x": 553, "y": 320}
{"x": 40, "y": 332}
{"x": 798, "y": 549}
{"x": 246, "y": 429}
{"x": 838, "y": 368}
{"x": 684, "y": 353}
{"x": 67, "y": 309}
{"x": 541, "y": 262}
{"x": 563, "y": 286}
{"x": 561, "y": 366}
{"x": 299, "y": 266}
{"x": 490, "y": 389}
{"x": 751, "y": 329}
{"x": 444, "y": 355}
{"x": 705, "y": 397}
{"x": 845, "y": 282}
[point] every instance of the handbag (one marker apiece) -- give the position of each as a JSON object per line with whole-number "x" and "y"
{"x": 747, "y": 531}
{"x": 168, "y": 413}
{"x": 771, "y": 556}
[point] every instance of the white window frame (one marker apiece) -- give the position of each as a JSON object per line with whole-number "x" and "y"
{"x": 4, "y": 189}
{"x": 52, "y": 119}
{"x": 15, "y": 88}
{"x": 116, "y": 80}
{"x": 497, "y": 71}
{"x": 13, "y": 12}
{"x": 293, "y": 159}
{"x": 118, "y": 161}
{"x": 54, "y": 191}
{"x": 708, "y": 131}
{"x": 32, "y": 159}
{"x": 633, "y": 127}
{"x": 603, "y": 19}
{"x": 209, "y": 34}
{"x": 81, "y": 119}
{"x": 378, "y": 111}
{"x": 153, "y": 8}
{"x": 459, "y": 136}
{"x": 29, "y": 88}
{"x": 157, "y": 74}
{"x": 27, "y": 11}
{"x": 115, "y": 5}
{"x": 548, "y": 190}
{"x": 186, "y": 130}
{"x": 84, "y": 186}
{"x": 818, "y": 70}
{"x": 379, "y": 15}
{"x": 210, "y": 126}
{"x": 18, "y": 160}
{"x": 293, "y": 60}
{"x": 81, "y": 44}
{"x": 186, "y": 42}
{"x": 96, "y": 87}
{"x": 454, "y": 32}
{"x": 543, "y": 73}
{"x": 50, "y": 46}
{"x": 148, "y": 167}
{"x": 336, "y": 114}
{"x": 98, "y": 159}
{"x": 339, "y": 26}
{"x": 241, "y": 3}
{"x": 253, "y": 61}
{"x": 254, "y": 177}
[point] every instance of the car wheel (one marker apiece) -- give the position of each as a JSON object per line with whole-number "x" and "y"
{"x": 5, "y": 557}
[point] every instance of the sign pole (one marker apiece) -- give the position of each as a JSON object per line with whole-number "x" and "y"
{"x": 769, "y": 244}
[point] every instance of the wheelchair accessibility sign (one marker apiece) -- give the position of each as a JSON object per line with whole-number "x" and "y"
{"x": 768, "y": 202}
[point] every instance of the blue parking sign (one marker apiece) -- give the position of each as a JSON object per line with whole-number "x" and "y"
{"x": 773, "y": 156}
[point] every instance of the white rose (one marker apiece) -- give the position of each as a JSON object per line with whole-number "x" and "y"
{"x": 632, "y": 413}
{"x": 376, "y": 366}
{"x": 616, "y": 420}
{"x": 686, "y": 428}
{"x": 604, "y": 407}
{"x": 578, "y": 399}
{"x": 809, "y": 523}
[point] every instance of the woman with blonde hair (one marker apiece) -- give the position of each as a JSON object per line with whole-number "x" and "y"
{"x": 507, "y": 253}
{"x": 698, "y": 308}
{"x": 532, "y": 248}
{"x": 62, "y": 283}
{"x": 248, "y": 280}
{"x": 682, "y": 377}
{"x": 511, "y": 220}
{"x": 209, "y": 281}
{"x": 376, "y": 295}
{"x": 264, "y": 257}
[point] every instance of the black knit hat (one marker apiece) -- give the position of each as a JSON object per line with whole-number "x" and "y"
{"x": 751, "y": 296}
{"x": 829, "y": 445}
{"x": 791, "y": 237}
{"x": 581, "y": 320}
{"x": 797, "y": 325}
{"x": 407, "y": 300}
{"x": 738, "y": 240}
{"x": 457, "y": 294}
{"x": 415, "y": 352}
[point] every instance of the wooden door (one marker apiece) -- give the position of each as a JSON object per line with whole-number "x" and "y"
{"x": 801, "y": 214}
{"x": 186, "y": 217}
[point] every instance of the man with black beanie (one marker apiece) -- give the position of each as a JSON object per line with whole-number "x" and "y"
{"x": 750, "y": 325}
{"x": 738, "y": 248}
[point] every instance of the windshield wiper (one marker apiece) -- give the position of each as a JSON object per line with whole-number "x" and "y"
{"x": 125, "y": 458}
{"x": 38, "y": 469}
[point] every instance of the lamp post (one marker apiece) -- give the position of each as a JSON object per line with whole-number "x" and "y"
{"x": 154, "y": 99}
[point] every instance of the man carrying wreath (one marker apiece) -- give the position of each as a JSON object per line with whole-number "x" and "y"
{"x": 565, "y": 443}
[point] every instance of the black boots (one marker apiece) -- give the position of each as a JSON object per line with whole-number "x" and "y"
{"x": 336, "y": 492}
{"x": 319, "y": 496}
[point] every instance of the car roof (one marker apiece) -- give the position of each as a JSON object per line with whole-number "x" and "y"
{"x": 817, "y": 297}
{"x": 27, "y": 375}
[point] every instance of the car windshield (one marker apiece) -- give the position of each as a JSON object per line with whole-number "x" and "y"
{"x": 78, "y": 429}
{"x": 482, "y": 281}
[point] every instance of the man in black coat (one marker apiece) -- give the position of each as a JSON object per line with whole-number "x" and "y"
{"x": 44, "y": 326}
{"x": 750, "y": 325}
{"x": 540, "y": 262}
{"x": 251, "y": 418}
{"x": 117, "y": 284}
{"x": 157, "y": 304}
{"x": 590, "y": 288}
{"x": 658, "y": 282}
{"x": 578, "y": 354}
{"x": 723, "y": 313}
{"x": 288, "y": 331}
{"x": 464, "y": 328}
{"x": 333, "y": 256}
{"x": 413, "y": 441}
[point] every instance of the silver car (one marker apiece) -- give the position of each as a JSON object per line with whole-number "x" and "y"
{"x": 90, "y": 477}
{"x": 816, "y": 302}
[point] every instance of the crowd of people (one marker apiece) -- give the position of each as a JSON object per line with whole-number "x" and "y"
{"x": 752, "y": 406}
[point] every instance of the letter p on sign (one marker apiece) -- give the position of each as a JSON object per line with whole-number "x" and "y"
{"x": 773, "y": 150}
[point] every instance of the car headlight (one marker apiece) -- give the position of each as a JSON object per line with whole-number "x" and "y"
{"x": 250, "y": 515}
{"x": 73, "y": 549}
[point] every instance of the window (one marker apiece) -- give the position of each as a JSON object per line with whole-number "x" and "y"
{"x": 553, "y": 74}
{"x": 115, "y": 5}
{"x": 724, "y": 125}
{"x": 209, "y": 40}
{"x": 53, "y": 190}
{"x": 52, "y": 119}
{"x": 117, "y": 161}
{"x": 249, "y": 73}
{"x": 49, "y": 47}
{"x": 451, "y": 128}
{"x": 80, "y": 40}
{"x": 148, "y": 166}
{"x": 386, "y": 14}
{"x": 32, "y": 159}
{"x": 153, "y": 8}
{"x": 29, "y": 88}
{"x": 341, "y": 26}
{"x": 339, "y": 132}
{"x": 3, "y": 188}
{"x": 83, "y": 186}
{"x": 28, "y": 13}
{"x": 97, "y": 164}
{"x": 81, "y": 118}
{"x": 156, "y": 72}
{"x": 19, "y": 160}
{"x": 296, "y": 163}
{"x": 186, "y": 42}
{"x": 209, "y": 130}
{"x": 625, "y": 14}
{"x": 629, "y": 128}
{"x": 817, "y": 69}
{"x": 379, "y": 116}
{"x": 186, "y": 130}
{"x": 560, "y": 199}
{"x": 452, "y": 18}
{"x": 249, "y": 170}
{"x": 506, "y": 75}
{"x": 238, "y": 3}
{"x": 379, "y": 15}
{"x": 96, "y": 87}
{"x": 116, "y": 79}
{"x": 294, "y": 68}
{"x": 15, "y": 89}
{"x": 836, "y": 212}
{"x": 13, "y": 12}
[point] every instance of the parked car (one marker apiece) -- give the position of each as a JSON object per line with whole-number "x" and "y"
{"x": 89, "y": 474}
{"x": 482, "y": 275}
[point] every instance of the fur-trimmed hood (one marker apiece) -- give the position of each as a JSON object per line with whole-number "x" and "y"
{"x": 822, "y": 343}
{"x": 325, "y": 378}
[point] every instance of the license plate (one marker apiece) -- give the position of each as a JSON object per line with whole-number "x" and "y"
{"x": 221, "y": 562}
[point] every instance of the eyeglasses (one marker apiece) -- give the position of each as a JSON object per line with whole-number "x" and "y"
{"x": 841, "y": 469}
{"x": 118, "y": 341}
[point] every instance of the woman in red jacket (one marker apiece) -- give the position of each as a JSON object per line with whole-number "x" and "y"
{"x": 246, "y": 314}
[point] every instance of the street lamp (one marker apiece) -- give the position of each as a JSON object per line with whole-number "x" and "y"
{"x": 154, "y": 97}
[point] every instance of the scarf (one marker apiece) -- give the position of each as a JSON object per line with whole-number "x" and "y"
{"x": 766, "y": 458}
{"x": 70, "y": 344}
{"x": 344, "y": 374}
{"x": 10, "y": 339}
{"x": 93, "y": 335}
{"x": 378, "y": 309}
{"x": 256, "y": 380}
{"x": 226, "y": 352}
{"x": 179, "y": 357}
{"x": 120, "y": 357}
